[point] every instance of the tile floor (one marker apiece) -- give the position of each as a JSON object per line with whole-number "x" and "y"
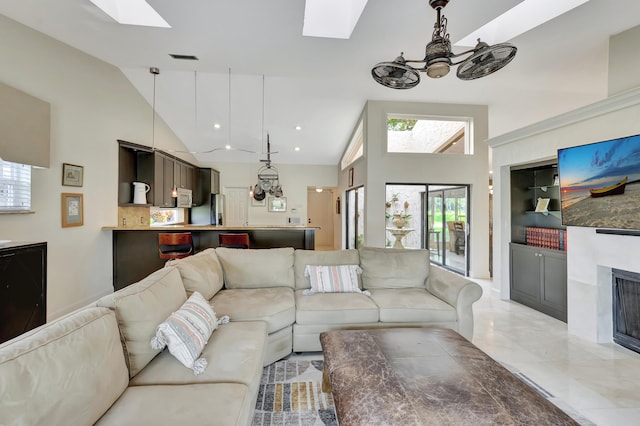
{"x": 600, "y": 381}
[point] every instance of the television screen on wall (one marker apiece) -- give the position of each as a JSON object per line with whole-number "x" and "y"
{"x": 599, "y": 184}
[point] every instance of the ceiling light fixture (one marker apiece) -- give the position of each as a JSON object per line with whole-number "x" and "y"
{"x": 154, "y": 71}
{"x": 483, "y": 59}
{"x": 268, "y": 179}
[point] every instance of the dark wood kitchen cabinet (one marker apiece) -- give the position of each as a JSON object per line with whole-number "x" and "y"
{"x": 23, "y": 288}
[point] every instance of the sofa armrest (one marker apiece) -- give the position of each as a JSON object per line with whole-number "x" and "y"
{"x": 458, "y": 292}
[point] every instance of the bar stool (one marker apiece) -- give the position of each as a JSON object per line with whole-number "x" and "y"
{"x": 234, "y": 240}
{"x": 175, "y": 245}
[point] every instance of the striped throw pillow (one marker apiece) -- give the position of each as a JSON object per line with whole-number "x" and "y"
{"x": 187, "y": 331}
{"x": 333, "y": 278}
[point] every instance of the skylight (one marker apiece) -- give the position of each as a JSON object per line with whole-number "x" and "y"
{"x": 331, "y": 18}
{"x": 131, "y": 12}
{"x": 518, "y": 20}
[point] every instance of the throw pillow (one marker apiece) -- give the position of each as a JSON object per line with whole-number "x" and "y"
{"x": 333, "y": 279}
{"x": 187, "y": 331}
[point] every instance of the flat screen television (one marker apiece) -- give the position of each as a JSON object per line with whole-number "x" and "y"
{"x": 599, "y": 184}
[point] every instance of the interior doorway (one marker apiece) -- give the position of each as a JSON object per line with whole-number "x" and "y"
{"x": 320, "y": 215}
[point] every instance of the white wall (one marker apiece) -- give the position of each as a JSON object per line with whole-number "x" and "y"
{"x": 294, "y": 180}
{"x": 92, "y": 105}
{"x": 383, "y": 168}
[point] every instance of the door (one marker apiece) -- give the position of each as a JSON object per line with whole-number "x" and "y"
{"x": 448, "y": 229}
{"x": 355, "y": 218}
{"x": 237, "y": 202}
{"x": 320, "y": 216}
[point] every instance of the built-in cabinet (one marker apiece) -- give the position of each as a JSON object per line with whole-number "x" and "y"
{"x": 528, "y": 185}
{"x": 23, "y": 288}
{"x": 538, "y": 263}
{"x": 161, "y": 171}
{"x": 539, "y": 279}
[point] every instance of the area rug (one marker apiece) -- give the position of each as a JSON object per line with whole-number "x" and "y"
{"x": 291, "y": 394}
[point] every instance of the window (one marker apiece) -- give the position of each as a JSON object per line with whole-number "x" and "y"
{"x": 15, "y": 187}
{"x": 427, "y": 136}
{"x": 355, "y": 149}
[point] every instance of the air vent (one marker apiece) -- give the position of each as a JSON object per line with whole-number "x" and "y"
{"x": 184, "y": 57}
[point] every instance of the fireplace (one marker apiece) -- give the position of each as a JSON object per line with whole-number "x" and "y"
{"x": 626, "y": 309}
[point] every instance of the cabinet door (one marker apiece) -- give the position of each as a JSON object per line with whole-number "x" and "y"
{"x": 22, "y": 290}
{"x": 554, "y": 285}
{"x": 525, "y": 274}
{"x": 168, "y": 182}
{"x": 189, "y": 177}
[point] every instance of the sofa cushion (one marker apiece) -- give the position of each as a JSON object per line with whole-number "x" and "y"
{"x": 411, "y": 305}
{"x": 195, "y": 404}
{"x": 67, "y": 372}
{"x": 187, "y": 331}
{"x": 302, "y": 258}
{"x": 275, "y": 306}
{"x": 234, "y": 353}
{"x": 335, "y": 308}
{"x": 249, "y": 268}
{"x": 201, "y": 272}
{"x": 333, "y": 278}
{"x": 139, "y": 309}
{"x": 393, "y": 268}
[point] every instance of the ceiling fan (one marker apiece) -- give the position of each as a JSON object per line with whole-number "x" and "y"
{"x": 438, "y": 59}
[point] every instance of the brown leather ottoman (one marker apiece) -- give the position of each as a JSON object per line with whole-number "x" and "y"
{"x": 426, "y": 376}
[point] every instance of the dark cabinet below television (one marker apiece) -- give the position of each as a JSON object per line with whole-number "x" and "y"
{"x": 539, "y": 279}
{"x": 23, "y": 288}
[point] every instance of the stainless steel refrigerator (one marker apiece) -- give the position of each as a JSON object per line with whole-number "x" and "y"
{"x": 210, "y": 208}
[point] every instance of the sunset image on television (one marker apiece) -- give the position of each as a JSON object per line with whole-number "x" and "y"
{"x": 599, "y": 184}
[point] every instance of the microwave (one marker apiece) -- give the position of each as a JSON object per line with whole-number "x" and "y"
{"x": 184, "y": 198}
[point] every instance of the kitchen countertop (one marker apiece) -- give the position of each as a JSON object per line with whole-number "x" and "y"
{"x": 204, "y": 227}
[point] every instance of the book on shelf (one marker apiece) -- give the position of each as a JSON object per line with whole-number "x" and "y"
{"x": 550, "y": 238}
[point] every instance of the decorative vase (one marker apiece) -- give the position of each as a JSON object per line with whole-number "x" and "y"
{"x": 398, "y": 221}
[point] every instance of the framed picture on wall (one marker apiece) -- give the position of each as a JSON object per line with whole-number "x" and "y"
{"x": 72, "y": 175}
{"x": 351, "y": 177}
{"x": 277, "y": 204}
{"x": 72, "y": 210}
{"x": 258, "y": 203}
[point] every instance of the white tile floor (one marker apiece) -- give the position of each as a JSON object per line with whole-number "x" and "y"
{"x": 600, "y": 381}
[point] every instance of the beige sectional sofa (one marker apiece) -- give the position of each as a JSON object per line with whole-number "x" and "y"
{"x": 96, "y": 365}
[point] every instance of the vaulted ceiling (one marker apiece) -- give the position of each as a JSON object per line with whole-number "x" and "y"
{"x": 252, "y": 53}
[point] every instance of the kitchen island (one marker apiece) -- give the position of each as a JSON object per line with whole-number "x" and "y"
{"x": 135, "y": 249}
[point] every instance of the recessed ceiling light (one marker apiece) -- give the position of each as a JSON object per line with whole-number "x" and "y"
{"x": 298, "y": 127}
{"x": 131, "y": 12}
{"x": 297, "y": 148}
{"x": 216, "y": 125}
{"x": 227, "y": 147}
{"x": 518, "y": 20}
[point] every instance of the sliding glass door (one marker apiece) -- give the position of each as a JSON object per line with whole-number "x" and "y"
{"x": 448, "y": 236}
{"x": 432, "y": 217}
{"x": 355, "y": 218}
